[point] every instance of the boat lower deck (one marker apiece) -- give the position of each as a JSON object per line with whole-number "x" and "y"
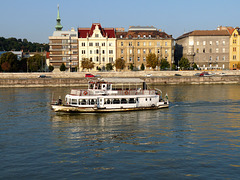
{"x": 71, "y": 109}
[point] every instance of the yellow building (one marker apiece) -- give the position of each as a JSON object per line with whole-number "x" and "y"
{"x": 234, "y": 56}
{"x": 134, "y": 46}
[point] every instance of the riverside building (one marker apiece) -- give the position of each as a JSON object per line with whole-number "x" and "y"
{"x": 98, "y": 45}
{"x": 134, "y": 45}
{"x": 234, "y": 57}
{"x": 63, "y": 47}
{"x": 209, "y": 49}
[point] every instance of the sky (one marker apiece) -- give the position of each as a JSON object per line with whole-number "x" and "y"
{"x": 35, "y": 20}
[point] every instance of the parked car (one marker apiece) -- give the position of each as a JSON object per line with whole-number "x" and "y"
{"x": 89, "y": 75}
{"x": 42, "y": 76}
{"x": 197, "y": 74}
{"x": 178, "y": 75}
{"x": 205, "y": 74}
{"x": 148, "y": 75}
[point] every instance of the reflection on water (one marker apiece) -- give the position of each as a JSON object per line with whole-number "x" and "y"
{"x": 197, "y": 137}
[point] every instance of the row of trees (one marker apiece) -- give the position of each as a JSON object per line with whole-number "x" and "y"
{"x": 21, "y": 44}
{"x": 10, "y": 63}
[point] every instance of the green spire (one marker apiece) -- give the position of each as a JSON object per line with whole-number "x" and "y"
{"x": 58, "y": 26}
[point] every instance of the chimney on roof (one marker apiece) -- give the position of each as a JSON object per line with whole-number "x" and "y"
{"x": 160, "y": 30}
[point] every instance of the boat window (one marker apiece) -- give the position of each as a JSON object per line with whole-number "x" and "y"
{"x": 91, "y": 86}
{"x": 74, "y": 101}
{"x": 150, "y": 99}
{"x": 116, "y": 101}
{"x": 123, "y": 101}
{"x": 83, "y": 102}
{"x": 146, "y": 99}
{"x": 108, "y": 87}
{"x": 132, "y": 101}
{"x": 93, "y": 101}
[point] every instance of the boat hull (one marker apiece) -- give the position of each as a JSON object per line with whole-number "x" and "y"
{"x": 73, "y": 109}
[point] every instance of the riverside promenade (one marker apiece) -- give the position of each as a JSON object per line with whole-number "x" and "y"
{"x": 74, "y": 79}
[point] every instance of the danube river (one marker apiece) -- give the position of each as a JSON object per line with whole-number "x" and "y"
{"x": 197, "y": 137}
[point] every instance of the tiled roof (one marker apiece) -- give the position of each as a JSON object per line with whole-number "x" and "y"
{"x": 88, "y": 32}
{"x": 205, "y": 33}
{"x": 210, "y": 33}
{"x": 136, "y": 34}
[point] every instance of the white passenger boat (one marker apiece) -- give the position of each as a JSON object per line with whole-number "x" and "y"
{"x": 112, "y": 95}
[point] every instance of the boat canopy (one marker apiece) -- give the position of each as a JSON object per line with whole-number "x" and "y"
{"x": 123, "y": 80}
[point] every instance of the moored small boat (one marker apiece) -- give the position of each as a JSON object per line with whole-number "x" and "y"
{"x": 101, "y": 96}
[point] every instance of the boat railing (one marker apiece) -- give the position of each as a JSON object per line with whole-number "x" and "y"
{"x": 80, "y": 92}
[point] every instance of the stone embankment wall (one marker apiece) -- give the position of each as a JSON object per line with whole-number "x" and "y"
{"x": 64, "y": 79}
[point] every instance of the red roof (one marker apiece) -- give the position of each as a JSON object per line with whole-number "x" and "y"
{"x": 88, "y": 32}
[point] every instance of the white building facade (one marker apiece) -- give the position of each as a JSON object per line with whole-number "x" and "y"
{"x": 98, "y": 45}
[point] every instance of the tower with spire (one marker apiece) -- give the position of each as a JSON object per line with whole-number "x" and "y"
{"x": 58, "y": 26}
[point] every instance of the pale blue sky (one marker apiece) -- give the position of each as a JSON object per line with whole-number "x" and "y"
{"x": 35, "y": 20}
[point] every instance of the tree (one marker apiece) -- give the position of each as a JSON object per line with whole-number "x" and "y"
{"x": 184, "y": 63}
{"x": 142, "y": 67}
{"x": 152, "y": 60}
{"x": 11, "y": 59}
{"x": 62, "y": 67}
{"x": 120, "y": 64}
{"x": 109, "y": 66}
{"x": 131, "y": 66}
{"x": 5, "y": 67}
{"x": 51, "y": 68}
{"x": 195, "y": 66}
{"x": 164, "y": 64}
{"x": 87, "y": 64}
{"x": 36, "y": 63}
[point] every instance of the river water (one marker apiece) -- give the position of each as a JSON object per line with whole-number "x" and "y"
{"x": 197, "y": 137}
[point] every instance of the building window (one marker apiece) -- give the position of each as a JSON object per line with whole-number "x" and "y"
{"x": 234, "y": 41}
{"x": 130, "y": 51}
{"x": 217, "y": 58}
{"x": 130, "y": 59}
{"x": 235, "y": 35}
{"x": 111, "y": 59}
{"x": 103, "y": 44}
{"x": 130, "y": 43}
{"x": 138, "y": 51}
{"x": 121, "y": 51}
{"x": 224, "y": 42}
{"x": 138, "y": 43}
{"x": 223, "y": 58}
{"x": 197, "y": 42}
{"x": 217, "y": 50}
{"x": 197, "y": 50}
{"x": 150, "y": 43}
{"x": 149, "y": 36}
{"x": 110, "y": 44}
{"x": 121, "y": 43}
{"x": 97, "y": 58}
{"x": 158, "y": 44}
{"x": 223, "y": 50}
{"x": 103, "y": 51}
{"x": 144, "y": 59}
{"x": 203, "y": 50}
{"x": 165, "y": 51}
{"x": 83, "y": 44}
{"x": 158, "y": 51}
{"x": 210, "y": 50}
{"x": 110, "y": 51}
{"x": 144, "y": 44}
{"x": 210, "y": 43}
{"x": 217, "y": 43}
{"x": 121, "y": 36}
{"x": 103, "y": 59}
{"x": 96, "y": 44}
{"x": 144, "y": 36}
{"x": 165, "y": 43}
{"x": 144, "y": 51}
{"x": 90, "y": 51}
{"x": 150, "y": 50}
{"x": 204, "y": 43}
{"x": 138, "y": 59}
{"x": 139, "y": 36}
{"x": 90, "y": 44}
{"x": 97, "y": 51}
{"x": 96, "y": 35}
{"x": 210, "y": 58}
{"x": 83, "y": 52}
{"x": 234, "y": 49}
{"x": 234, "y": 57}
